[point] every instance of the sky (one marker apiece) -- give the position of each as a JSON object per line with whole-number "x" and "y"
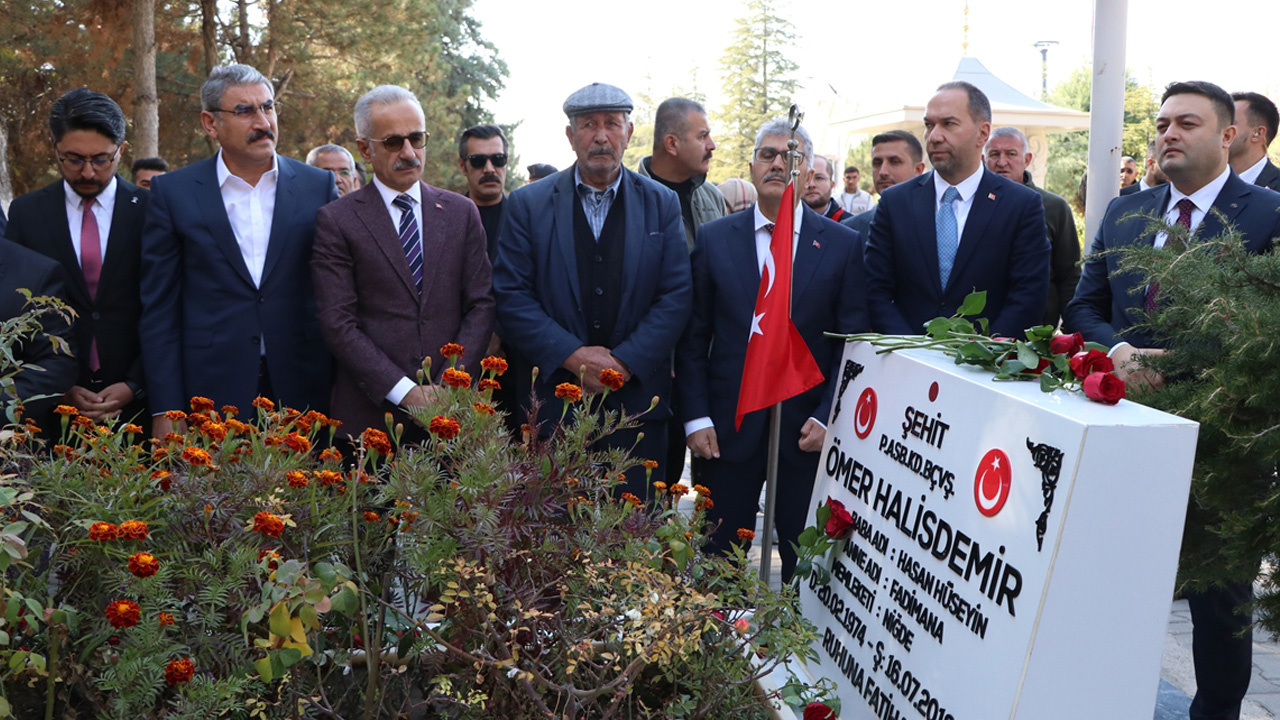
{"x": 855, "y": 57}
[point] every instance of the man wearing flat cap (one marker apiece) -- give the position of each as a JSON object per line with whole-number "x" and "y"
{"x": 592, "y": 273}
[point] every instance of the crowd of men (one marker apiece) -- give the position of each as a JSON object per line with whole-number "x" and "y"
{"x": 250, "y": 273}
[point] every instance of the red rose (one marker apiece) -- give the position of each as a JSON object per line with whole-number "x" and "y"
{"x": 840, "y": 522}
{"x": 1084, "y": 364}
{"x": 1104, "y": 387}
{"x": 1044, "y": 364}
{"x": 818, "y": 711}
{"x": 1066, "y": 344}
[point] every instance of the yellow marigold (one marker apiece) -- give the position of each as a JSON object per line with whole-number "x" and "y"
{"x": 702, "y": 490}
{"x": 197, "y": 456}
{"x": 371, "y": 516}
{"x": 489, "y": 384}
{"x": 452, "y": 350}
{"x": 164, "y": 618}
{"x": 376, "y": 440}
{"x": 296, "y": 478}
{"x": 201, "y": 404}
{"x": 569, "y": 392}
{"x": 444, "y": 428}
{"x": 175, "y": 415}
{"x": 214, "y": 431}
{"x": 143, "y": 564}
{"x": 264, "y": 404}
{"x": 130, "y": 428}
{"x": 297, "y": 443}
{"x": 179, "y": 671}
{"x": 611, "y": 379}
{"x": 495, "y": 364}
{"x": 678, "y": 489}
{"x": 268, "y": 524}
{"x": 456, "y": 378}
{"x": 746, "y": 535}
{"x": 103, "y": 532}
{"x": 134, "y": 530}
{"x": 650, "y": 464}
{"x": 484, "y": 408}
{"x": 123, "y": 614}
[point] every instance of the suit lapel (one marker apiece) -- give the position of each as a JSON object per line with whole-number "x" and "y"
{"x": 126, "y": 227}
{"x": 923, "y": 207}
{"x": 809, "y": 252}
{"x": 1231, "y": 201}
{"x": 286, "y": 203}
{"x": 209, "y": 198}
{"x": 983, "y": 207}
{"x": 1154, "y": 207}
{"x": 372, "y": 212}
{"x": 432, "y": 213}
{"x": 59, "y": 238}
{"x": 562, "y": 231}
{"x": 742, "y": 253}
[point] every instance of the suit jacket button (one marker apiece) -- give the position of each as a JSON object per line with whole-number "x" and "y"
{"x": 96, "y": 315}
{"x": 595, "y": 325}
{"x": 254, "y": 339}
{"x": 261, "y": 299}
{"x": 599, "y": 291}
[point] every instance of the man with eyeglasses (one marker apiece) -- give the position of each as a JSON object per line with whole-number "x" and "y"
{"x": 400, "y": 270}
{"x": 90, "y": 221}
{"x": 337, "y": 160}
{"x": 593, "y": 274}
{"x": 228, "y": 309}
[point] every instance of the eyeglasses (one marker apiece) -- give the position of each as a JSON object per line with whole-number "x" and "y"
{"x": 767, "y": 154}
{"x": 245, "y": 112}
{"x": 478, "y": 160}
{"x": 75, "y": 162}
{"x": 393, "y": 143}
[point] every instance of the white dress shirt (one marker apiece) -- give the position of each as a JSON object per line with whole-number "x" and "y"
{"x": 966, "y": 188}
{"x": 1251, "y": 175}
{"x": 1202, "y": 198}
{"x": 250, "y": 209}
{"x": 404, "y": 384}
{"x": 104, "y": 206}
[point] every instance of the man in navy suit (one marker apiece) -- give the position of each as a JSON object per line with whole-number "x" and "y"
{"x": 1194, "y": 132}
{"x": 993, "y": 233}
{"x": 1257, "y": 122}
{"x": 593, "y": 272}
{"x": 227, "y": 307}
{"x": 827, "y": 296}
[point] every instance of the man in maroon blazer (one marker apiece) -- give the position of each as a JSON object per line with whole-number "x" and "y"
{"x": 399, "y": 269}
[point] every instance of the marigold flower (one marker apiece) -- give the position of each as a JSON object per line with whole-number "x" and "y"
{"x": 296, "y": 478}
{"x": 329, "y": 477}
{"x": 175, "y": 415}
{"x": 444, "y": 428}
{"x": 197, "y": 420}
{"x": 489, "y": 384}
{"x": 484, "y": 408}
{"x": 371, "y": 516}
{"x": 659, "y": 486}
{"x": 678, "y": 489}
{"x": 704, "y": 503}
{"x": 264, "y": 404}
{"x": 238, "y": 427}
{"x": 650, "y": 464}
{"x": 496, "y": 364}
{"x": 271, "y": 556}
{"x": 197, "y": 456}
{"x": 569, "y": 392}
{"x": 172, "y": 438}
{"x": 123, "y": 613}
{"x": 81, "y": 421}
{"x": 65, "y": 451}
{"x": 376, "y": 440}
{"x": 66, "y": 410}
{"x": 268, "y": 524}
{"x": 143, "y": 564}
{"x": 179, "y": 671}
{"x": 272, "y": 440}
{"x": 297, "y": 443}
{"x": 201, "y": 404}
{"x": 456, "y": 378}
{"x": 103, "y": 532}
{"x": 134, "y": 530}
{"x": 746, "y": 535}
{"x": 702, "y": 490}
{"x": 165, "y": 478}
{"x": 452, "y": 350}
{"x": 214, "y": 431}
{"x": 130, "y": 428}
{"x": 331, "y": 454}
{"x": 164, "y": 618}
{"x": 230, "y": 411}
{"x": 160, "y": 453}
{"x": 630, "y": 498}
{"x": 611, "y": 379}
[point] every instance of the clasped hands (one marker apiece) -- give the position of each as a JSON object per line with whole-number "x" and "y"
{"x": 589, "y": 360}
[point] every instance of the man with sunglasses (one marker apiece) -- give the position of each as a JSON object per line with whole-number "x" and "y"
{"x": 400, "y": 270}
{"x": 482, "y": 158}
{"x": 228, "y": 312}
{"x": 90, "y": 221}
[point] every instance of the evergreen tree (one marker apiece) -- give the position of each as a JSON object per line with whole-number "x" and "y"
{"x": 759, "y": 84}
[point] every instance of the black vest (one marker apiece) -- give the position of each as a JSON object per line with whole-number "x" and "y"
{"x": 600, "y": 269}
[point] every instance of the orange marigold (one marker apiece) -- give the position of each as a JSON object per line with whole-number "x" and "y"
{"x": 702, "y": 490}
{"x": 239, "y": 427}
{"x": 297, "y": 443}
{"x": 272, "y": 440}
{"x": 452, "y": 350}
{"x": 678, "y": 489}
{"x": 650, "y": 464}
{"x": 630, "y": 498}
{"x": 197, "y": 456}
{"x": 329, "y": 477}
{"x": 65, "y": 451}
{"x": 175, "y": 415}
{"x": 659, "y": 485}
{"x": 376, "y": 440}
{"x": 230, "y": 411}
{"x": 330, "y": 454}
{"x": 130, "y": 428}
{"x": 179, "y": 671}
{"x": 165, "y": 478}
{"x": 201, "y": 404}
{"x": 489, "y": 384}
{"x": 746, "y": 535}
{"x": 569, "y": 392}
{"x": 214, "y": 431}
{"x": 264, "y": 404}
{"x": 271, "y": 556}
{"x": 296, "y": 478}
{"x": 197, "y": 420}
{"x": 496, "y": 364}
{"x": 81, "y": 421}
{"x": 143, "y": 564}
{"x": 484, "y": 408}
{"x": 704, "y": 503}
{"x": 103, "y": 532}
{"x": 160, "y": 453}
{"x": 134, "y": 530}
{"x": 444, "y": 428}
{"x": 66, "y": 410}
{"x": 268, "y": 524}
{"x": 456, "y": 378}
{"x": 173, "y": 438}
{"x": 164, "y": 618}
{"x": 371, "y": 516}
{"x": 611, "y": 379}
{"x": 123, "y": 613}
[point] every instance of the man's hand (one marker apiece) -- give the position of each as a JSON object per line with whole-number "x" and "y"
{"x": 101, "y": 405}
{"x": 418, "y": 397}
{"x": 703, "y": 443}
{"x": 594, "y": 358}
{"x": 1138, "y": 379}
{"x": 161, "y": 425}
{"x": 812, "y": 435}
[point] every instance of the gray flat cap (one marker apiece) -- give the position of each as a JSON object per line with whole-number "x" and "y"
{"x": 597, "y": 97}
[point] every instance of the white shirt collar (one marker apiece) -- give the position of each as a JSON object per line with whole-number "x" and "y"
{"x": 388, "y": 195}
{"x": 1251, "y": 174}
{"x": 761, "y": 222}
{"x": 106, "y": 199}
{"x": 966, "y": 187}
{"x": 224, "y": 172}
{"x": 1204, "y": 197}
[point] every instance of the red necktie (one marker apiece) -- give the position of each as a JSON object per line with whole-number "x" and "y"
{"x": 90, "y": 264}
{"x": 1185, "y": 206}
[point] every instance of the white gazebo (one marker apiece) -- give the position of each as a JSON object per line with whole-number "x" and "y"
{"x": 1009, "y": 106}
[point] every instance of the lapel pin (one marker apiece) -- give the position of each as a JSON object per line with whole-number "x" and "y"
{"x": 817, "y": 244}
{"x": 991, "y": 196}
{"x": 134, "y": 199}
{"x": 439, "y": 206}
{"x": 1233, "y": 205}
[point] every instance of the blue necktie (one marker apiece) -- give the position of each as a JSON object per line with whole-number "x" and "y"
{"x": 409, "y": 238}
{"x": 948, "y": 235}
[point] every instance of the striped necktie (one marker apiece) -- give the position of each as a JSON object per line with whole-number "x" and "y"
{"x": 410, "y": 240}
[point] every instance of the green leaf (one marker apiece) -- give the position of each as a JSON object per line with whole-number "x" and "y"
{"x": 975, "y": 353}
{"x": 345, "y": 601}
{"x": 263, "y": 667}
{"x": 822, "y": 515}
{"x": 280, "y": 624}
{"x": 5, "y": 710}
{"x": 1027, "y": 356}
{"x": 939, "y": 326}
{"x": 289, "y": 656}
{"x": 325, "y": 571}
{"x": 1047, "y": 382}
{"x": 808, "y": 536}
{"x": 973, "y": 303}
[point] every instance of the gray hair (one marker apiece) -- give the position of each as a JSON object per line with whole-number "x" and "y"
{"x": 782, "y": 126}
{"x": 225, "y": 76}
{"x": 1010, "y": 132}
{"x": 330, "y": 148}
{"x": 381, "y": 95}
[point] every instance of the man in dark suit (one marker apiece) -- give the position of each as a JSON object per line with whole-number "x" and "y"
{"x": 958, "y": 229}
{"x": 90, "y": 221}
{"x": 382, "y": 308}
{"x": 228, "y": 311}
{"x": 896, "y": 157}
{"x": 1194, "y": 132}
{"x": 593, "y": 272}
{"x": 55, "y": 371}
{"x": 827, "y": 296}
{"x": 1256, "y": 123}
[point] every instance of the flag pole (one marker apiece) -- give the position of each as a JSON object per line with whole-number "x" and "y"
{"x": 775, "y": 413}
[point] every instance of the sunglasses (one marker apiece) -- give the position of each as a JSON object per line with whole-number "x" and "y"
{"x": 478, "y": 160}
{"x": 393, "y": 143}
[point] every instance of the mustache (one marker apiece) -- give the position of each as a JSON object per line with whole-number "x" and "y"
{"x": 490, "y": 177}
{"x": 775, "y": 176}
{"x": 605, "y": 151}
{"x": 406, "y": 163}
{"x": 257, "y": 135}
{"x": 91, "y": 187}
{"x": 707, "y": 156}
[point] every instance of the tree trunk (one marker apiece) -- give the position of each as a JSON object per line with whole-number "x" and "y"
{"x": 146, "y": 107}
{"x": 209, "y": 33}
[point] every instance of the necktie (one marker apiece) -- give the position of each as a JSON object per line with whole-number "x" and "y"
{"x": 948, "y": 235}
{"x": 1185, "y": 206}
{"x": 409, "y": 238}
{"x": 90, "y": 264}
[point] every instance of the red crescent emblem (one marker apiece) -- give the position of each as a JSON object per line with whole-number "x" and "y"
{"x": 991, "y": 482}
{"x": 864, "y": 416}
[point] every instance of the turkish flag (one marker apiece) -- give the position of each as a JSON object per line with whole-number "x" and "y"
{"x": 779, "y": 365}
